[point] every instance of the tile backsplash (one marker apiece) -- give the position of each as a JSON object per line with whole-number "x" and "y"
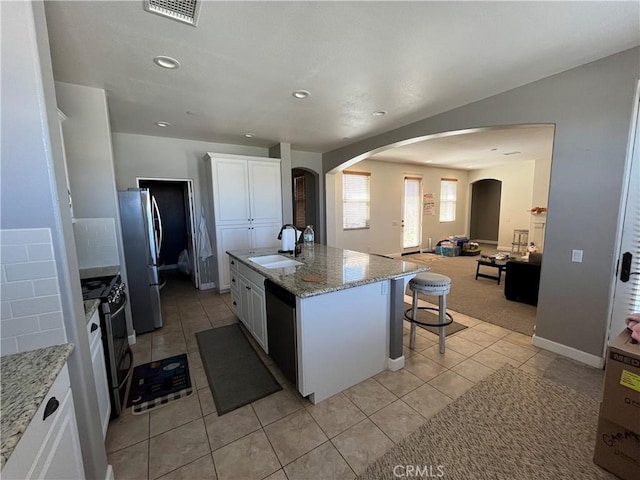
{"x": 31, "y": 310}
{"x": 96, "y": 242}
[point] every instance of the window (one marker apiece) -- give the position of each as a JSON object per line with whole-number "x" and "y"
{"x": 355, "y": 200}
{"x": 412, "y": 212}
{"x": 299, "y": 202}
{"x": 448, "y": 188}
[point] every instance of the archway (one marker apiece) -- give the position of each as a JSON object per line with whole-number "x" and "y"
{"x": 306, "y": 199}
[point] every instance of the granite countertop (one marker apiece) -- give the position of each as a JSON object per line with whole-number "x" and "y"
{"x": 26, "y": 380}
{"x": 90, "y": 306}
{"x": 337, "y": 269}
{"x": 98, "y": 272}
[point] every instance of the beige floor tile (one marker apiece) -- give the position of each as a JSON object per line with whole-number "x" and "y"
{"x": 427, "y": 400}
{"x": 517, "y": 352}
{"x": 195, "y": 361}
{"x": 399, "y": 382}
{"x": 520, "y": 339}
{"x": 200, "y": 469}
{"x": 494, "y": 360}
{"x": 276, "y": 406}
{"x": 323, "y": 462}
{"x": 224, "y": 321}
{"x": 165, "y": 340}
{"x": 447, "y": 359}
{"x": 277, "y": 475}
{"x": 421, "y": 342}
{"x": 477, "y": 336}
{"x": 530, "y": 369}
{"x": 171, "y": 326}
{"x": 174, "y": 414}
{"x": 423, "y": 368}
{"x": 472, "y": 370}
{"x": 249, "y": 458}
{"x": 361, "y": 444}
{"x": 191, "y": 309}
{"x": 131, "y": 463}
{"x": 465, "y": 319}
{"x": 540, "y": 361}
{"x": 295, "y": 435}
{"x": 195, "y": 324}
{"x": 462, "y": 346}
{"x": 370, "y": 396}
{"x": 407, "y": 352}
{"x": 451, "y": 384}
{"x": 176, "y": 448}
{"x": 198, "y": 377}
{"x": 335, "y": 414}
{"x": 162, "y": 352}
{"x": 397, "y": 420}
{"x": 230, "y": 426}
{"x": 141, "y": 350}
{"x": 207, "y": 405}
{"x": 493, "y": 330}
{"x": 126, "y": 430}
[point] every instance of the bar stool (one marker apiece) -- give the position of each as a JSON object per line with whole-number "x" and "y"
{"x": 429, "y": 284}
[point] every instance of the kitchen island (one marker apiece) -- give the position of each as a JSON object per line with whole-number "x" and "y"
{"x": 347, "y": 311}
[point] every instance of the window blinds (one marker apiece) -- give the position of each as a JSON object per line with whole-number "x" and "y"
{"x": 412, "y": 212}
{"x": 355, "y": 200}
{"x": 448, "y": 193}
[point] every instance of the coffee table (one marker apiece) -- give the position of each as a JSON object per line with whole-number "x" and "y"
{"x": 484, "y": 263}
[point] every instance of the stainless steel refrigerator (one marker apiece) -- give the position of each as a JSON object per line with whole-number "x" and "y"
{"x": 142, "y": 238}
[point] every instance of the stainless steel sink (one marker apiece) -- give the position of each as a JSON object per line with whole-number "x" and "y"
{"x": 275, "y": 261}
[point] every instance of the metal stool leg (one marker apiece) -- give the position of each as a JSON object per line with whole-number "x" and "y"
{"x": 414, "y": 313}
{"x": 442, "y": 309}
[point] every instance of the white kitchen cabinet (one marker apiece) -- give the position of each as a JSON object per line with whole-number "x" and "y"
{"x": 50, "y": 446}
{"x": 247, "y": 205}
{"x": 251, "y": 308}
{"x": 99, "y": 370}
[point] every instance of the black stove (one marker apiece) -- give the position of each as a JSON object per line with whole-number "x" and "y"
{"x": 106, "y": 289}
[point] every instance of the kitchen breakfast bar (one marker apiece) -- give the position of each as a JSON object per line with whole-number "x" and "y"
{"x": 329, "y": 318}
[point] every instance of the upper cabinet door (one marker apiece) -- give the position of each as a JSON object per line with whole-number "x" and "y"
{"x": 231, "y": 191}
{"x": 266, "y": 194}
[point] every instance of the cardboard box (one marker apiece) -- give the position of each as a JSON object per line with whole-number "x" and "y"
{"x": 617, "y": 449}
{"x": 621, "y": 399}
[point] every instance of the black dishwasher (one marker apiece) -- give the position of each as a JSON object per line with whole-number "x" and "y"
{"x": 281, "y": 329}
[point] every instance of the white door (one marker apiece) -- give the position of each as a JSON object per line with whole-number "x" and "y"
{"x": 231, "y": 191}
{"x": 626, "y": 298}
{"x": 266, "y": 194}
{"x": 412, "y": 213}
{"x": 231, "y": 238}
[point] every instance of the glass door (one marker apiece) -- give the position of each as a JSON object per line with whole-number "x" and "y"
{"x": 412, "y": 214}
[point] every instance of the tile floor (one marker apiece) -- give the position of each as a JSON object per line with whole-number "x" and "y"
{"x": 284, "y": 436}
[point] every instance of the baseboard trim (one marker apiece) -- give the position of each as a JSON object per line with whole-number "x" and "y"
{"x": 207, "y": 286}
{"x": 395, "y": 364}
{"x": 569, "y": 352}
{"x": 109, "y": 475}
{"x": 131, "y": 339}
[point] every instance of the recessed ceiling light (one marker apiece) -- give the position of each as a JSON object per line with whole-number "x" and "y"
{"x": 300, "y": 94}
{"x": 428, "y": 161}
{"x": 379, "y": 113}
{"x": 515, "y": 152}
{"x": 250, "y": 135}
{"x": 163, "y": 124}
{"x": 190, "y": 112}
{"x": 494, "y": 149}
{"x": 469, "y": 166}
{"x": 166, "y": 62}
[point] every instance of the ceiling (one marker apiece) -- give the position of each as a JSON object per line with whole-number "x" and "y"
{"x": 243, "y": 61}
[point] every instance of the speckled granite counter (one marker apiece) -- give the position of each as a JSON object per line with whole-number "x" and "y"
{"x": 338, "y": 269}
{"x": 90, "y": 306}
{"x": 26, "y": 380}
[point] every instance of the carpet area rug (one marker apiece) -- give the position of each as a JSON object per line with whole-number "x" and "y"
{"x": 483, "y": 298}
{"x": 512, "y": 425}
{"x": 427, "y": 316}
{"x": 234, "y": 370}
{"x": 155, "y": 384}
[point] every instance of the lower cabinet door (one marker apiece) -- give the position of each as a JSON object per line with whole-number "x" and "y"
{"x": 259, "y": 318}
{"x": 102, "y": 386}
{"x": 60, "y": 457}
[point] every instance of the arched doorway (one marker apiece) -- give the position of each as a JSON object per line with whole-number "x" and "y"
{"x": 484, "y": 217}
{"x": 306, "y": 199}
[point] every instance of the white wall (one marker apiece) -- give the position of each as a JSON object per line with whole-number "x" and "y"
{"x": 387, "y": 191}
{"x": 515, "y": 202}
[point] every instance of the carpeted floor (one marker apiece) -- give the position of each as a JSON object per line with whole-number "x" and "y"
{"x": 483, "y": 298}
{"x": 513, "y": 425}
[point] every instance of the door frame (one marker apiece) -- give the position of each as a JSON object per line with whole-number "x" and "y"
{"x": 634, "y": 136}
{"x": 192, "y": 215}
{"x": 404, "y": 250}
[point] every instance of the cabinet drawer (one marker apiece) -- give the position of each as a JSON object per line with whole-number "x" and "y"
{"x": 233, "y": 264}
{"x": 25, "y": 453}
{"x": 235, "y": 302}
{"x": 93, "y": 328}
{"x": 251, "y": 275}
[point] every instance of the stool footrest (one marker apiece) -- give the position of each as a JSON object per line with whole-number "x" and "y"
{"x": 410, "y": 319}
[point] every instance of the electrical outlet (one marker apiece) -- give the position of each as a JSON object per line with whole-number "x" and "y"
{"x": 576, "y": 256}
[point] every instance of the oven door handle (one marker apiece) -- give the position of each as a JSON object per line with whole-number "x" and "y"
{"x": 119, "y": 311}
{"x": 126, "y": 377}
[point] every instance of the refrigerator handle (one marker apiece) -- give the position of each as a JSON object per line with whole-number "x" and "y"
{"x": 159, "y": 218}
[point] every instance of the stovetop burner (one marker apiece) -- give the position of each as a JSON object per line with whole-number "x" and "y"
{"x": 99, "y": 288}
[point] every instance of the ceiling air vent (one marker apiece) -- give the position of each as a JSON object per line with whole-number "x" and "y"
{"x": 185, "y": 11}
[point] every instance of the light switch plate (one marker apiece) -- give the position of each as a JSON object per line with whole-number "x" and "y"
{"x": 576, "y": 256}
